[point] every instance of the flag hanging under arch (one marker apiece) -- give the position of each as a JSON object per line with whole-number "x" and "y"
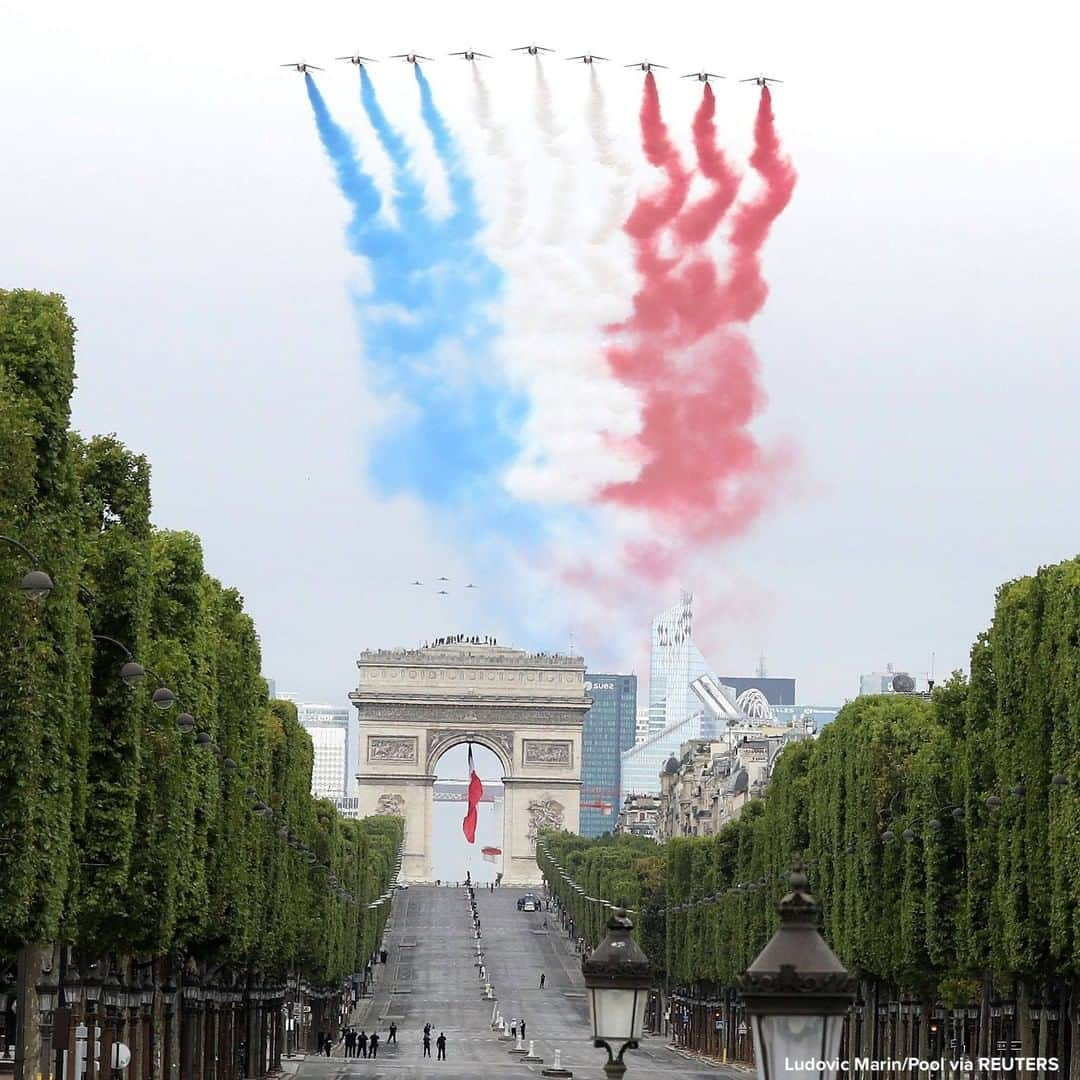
{"x": 476, "y": 791}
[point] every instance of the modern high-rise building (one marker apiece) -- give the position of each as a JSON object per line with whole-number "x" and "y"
{"x": 333, "y": 774}
{"x": 607, "y": 731}
{"x": 674, "y": 663}
{"x": 776, "y": 691}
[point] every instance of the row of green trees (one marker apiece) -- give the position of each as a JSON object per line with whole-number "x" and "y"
{"x": 943, "y": 835}
{"x": 118, "y": 834}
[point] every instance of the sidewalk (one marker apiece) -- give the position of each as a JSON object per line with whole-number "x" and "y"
{"x": 703, "y": 1059}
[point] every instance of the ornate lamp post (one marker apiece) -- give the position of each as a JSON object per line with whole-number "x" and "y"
{"x": 797, "y": 994}
{"x": 617, "y": 977}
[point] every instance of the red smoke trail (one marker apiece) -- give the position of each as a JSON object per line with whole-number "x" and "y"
{"x": 746, "y": 290}
{"x": 697, "y": 222}
{"x": 703, "y": 475}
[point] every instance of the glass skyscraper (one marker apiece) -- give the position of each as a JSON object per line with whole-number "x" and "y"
{"x": 607, "y": 731}
{"x": 674, "y": 663}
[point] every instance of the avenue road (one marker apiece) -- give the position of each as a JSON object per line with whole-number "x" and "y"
{"x": 430, "y": 976}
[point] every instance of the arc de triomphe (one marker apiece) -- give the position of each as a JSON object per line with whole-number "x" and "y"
{"x": 527, "y": 708}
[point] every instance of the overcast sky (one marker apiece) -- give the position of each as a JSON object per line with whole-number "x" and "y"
{"x": 919, "y": 344}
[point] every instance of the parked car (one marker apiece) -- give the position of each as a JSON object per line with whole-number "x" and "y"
{"x": 531, "y": 902}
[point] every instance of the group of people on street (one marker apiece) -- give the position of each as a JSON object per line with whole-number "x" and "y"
{"x": 440, "y": 1043}
{"x": 361, "y": 1044}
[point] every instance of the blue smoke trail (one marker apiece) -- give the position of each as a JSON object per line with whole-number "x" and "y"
{"x": 426, "y": 324}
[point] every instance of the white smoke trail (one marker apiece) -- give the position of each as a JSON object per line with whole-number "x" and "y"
{"x": 510, "y": 216}
{"x": 562, "y": 196}
{"x": 609, "y": 262}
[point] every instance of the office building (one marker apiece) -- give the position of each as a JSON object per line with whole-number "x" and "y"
{"x": 607, "y": 731}
{"x": 891, "y": 681}
{"x": 775, "y": 691}
{"x": 333, "y": 773}
{"x": 674, "y": 663}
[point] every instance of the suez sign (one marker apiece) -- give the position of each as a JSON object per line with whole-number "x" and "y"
{"x": 599, "y": 686}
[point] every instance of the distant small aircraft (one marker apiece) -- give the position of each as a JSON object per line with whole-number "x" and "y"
{"x": 703, "y": 76}
{"x": 303, "y": 67}
{"x": 444, "y": 579}
{"x": 357, "y": 59}
{"x": 532, "y": 50}
{"x": 471, "y": 54}
{"x": 761, "y": 80}
{"x": 588, "y": 58}
{"x": 645, "y": 65}
{"x": 443, "y": 592}
{"x": 418, "y": 583}
{"x": 409, "y": 57}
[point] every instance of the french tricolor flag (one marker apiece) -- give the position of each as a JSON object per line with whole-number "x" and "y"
{"x": 476, "y": 791}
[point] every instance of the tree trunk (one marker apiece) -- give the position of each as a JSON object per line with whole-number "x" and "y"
{"x": 1024, "y": 1019}
{"x": 30, "y": 962}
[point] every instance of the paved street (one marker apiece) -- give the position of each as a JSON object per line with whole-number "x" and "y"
{"x": 430, "y": 976}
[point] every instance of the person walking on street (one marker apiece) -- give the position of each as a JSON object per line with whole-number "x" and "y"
{"x": 373, "y": 1045}
{"x": 427, "y": 1043}
{"x": 393, "y": 1035}
{"x": 328, "y": 1045}
{"x": 513, "y": 1027}
{"x": 543, "y": 979}
{"x": 523, "y": 1028}
{"x": 362, "y": 1041}
{"x": 440, "y": 1042}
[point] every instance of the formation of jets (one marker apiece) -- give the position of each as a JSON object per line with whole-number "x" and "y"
{"x": 531, "y": 50}
{"x": 444, "y": 581}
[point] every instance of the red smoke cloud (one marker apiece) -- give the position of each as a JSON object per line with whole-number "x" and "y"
{"x": 703, "y": 475}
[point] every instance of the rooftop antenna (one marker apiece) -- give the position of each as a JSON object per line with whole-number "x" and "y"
{"x": 762, "y": 672}
{"x": 572, "y": 652}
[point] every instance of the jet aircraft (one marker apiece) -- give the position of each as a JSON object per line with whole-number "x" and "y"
{"x": 761, "y": 80}
{"x": 409, "y": 57}
{"x": 357, "y": 59}
{"x": 588, "y": 58}
{"x": 471, "y": 54}
{"x": 532, "y": 50}
{"x": 443, "y": 592}
{"x": 302, "y": 67}
{"x": 645, "y": 65}
{"x": 703, "y": 76}
{"x": 418, "y": 583}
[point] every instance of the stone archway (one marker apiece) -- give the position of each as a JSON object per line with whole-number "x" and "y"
{"x": 414, "y": 705}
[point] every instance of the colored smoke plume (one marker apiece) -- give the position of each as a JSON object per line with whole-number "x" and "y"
{"x": 424, "y": 319}
{"x": 703, "y": 476}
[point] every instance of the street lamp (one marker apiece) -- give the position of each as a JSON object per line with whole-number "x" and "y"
{"x": 36, "y": 584}
{"x": 797, "y": 993}
{"x": 617, "y": 978}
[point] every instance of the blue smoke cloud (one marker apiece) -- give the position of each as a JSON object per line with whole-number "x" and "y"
{"x": 427, "y": 325}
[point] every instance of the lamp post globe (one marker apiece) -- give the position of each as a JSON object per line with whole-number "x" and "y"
{"x": 163, "y": 698}
{"x": 132, "y": 673}
{"x": 36, "y": 585}
{"x": 797, "y": 994}
{"x": 617, "y": 978}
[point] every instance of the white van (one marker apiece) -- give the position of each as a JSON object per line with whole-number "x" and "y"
{"x": 532, "y": 903}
